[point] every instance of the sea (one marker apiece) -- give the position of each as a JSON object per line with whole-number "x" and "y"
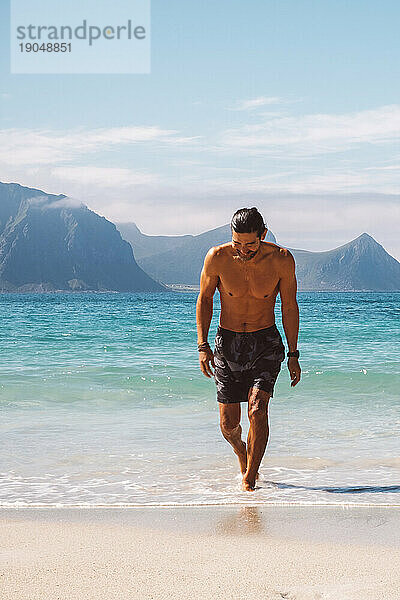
{"x": 103, "y": 404}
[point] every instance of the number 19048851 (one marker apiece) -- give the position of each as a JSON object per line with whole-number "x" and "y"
{"x": 45, "y": 47}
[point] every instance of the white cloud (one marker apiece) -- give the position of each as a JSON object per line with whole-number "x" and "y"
{"x": 257, "y": 102}
{"x": 47, "y": 202}
{"x": 42, "y": 147}
{"x": 190, "y": 193}
{"x": 110, "y": 177}
{"x": 331, "y": 181}
{"x": 313, "y": 134}
{"x": 386, "y": 168}
{"x": 310, "y": 180}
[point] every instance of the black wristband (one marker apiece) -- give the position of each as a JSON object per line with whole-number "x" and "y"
{"x": 293, "y": 354}
{"x": 203, "y": 346}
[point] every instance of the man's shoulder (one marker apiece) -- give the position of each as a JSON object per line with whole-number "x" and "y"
{"x": 216, "y": 252}
{"x": 277, "y": 251}
{"x": 281, "y": 256}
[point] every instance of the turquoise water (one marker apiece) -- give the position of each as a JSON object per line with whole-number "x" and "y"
{"x": 102, "y": 402}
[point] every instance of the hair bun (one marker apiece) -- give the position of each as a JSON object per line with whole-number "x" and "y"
{"x": 247, "y": 220}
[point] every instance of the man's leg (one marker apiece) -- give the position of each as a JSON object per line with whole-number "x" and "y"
{"x": 232, "y": 431}
{"x": 258, "y": 435}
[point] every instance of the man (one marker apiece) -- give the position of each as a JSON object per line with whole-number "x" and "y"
{"x": 248, "y": 273}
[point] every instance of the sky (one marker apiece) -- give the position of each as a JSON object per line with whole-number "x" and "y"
{"x": 292, "y": 106}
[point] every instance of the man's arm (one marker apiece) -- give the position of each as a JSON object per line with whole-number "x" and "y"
{"x": 204, "y": 309}
{"x": 290, "y": 311}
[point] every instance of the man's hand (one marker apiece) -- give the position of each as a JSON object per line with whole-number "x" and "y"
{"x": 205, "y": 357}
{"x": 294, "y": 370}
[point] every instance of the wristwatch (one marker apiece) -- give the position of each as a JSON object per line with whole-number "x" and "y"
{"x": 293, "y": 354}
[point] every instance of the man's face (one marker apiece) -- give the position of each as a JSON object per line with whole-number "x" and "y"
{"x": 246, "y": 245}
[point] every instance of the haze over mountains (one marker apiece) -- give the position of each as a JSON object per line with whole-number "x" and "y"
{"x": 49, "y": 243}
{"x": 146, "y": 246}
{"x": 182, "y": 261}
{"x": 359, "y": 265}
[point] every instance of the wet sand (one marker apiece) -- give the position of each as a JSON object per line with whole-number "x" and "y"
{"x": 213, "y": 552}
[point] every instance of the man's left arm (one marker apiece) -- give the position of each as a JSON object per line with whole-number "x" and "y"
{"x": 290, "y": 311}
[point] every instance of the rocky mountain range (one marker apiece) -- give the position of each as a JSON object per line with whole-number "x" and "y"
{"x": 360, "y": 265}
{"x": 182, "y": 261}
{"x": 50, "y": 243}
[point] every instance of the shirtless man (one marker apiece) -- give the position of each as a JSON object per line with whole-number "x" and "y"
{"x": 249, "y": 350}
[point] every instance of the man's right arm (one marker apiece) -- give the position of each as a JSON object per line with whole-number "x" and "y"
{"x": 204, "y": 308}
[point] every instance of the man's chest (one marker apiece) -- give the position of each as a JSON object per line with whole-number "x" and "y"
{"x": 241, "y": 279}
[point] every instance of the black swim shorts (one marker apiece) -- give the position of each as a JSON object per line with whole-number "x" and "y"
{"x": 246, "y": 359}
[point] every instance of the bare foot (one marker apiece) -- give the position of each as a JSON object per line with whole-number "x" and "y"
{"x": 243, "y": 459}
{"x": 248, "y": 486}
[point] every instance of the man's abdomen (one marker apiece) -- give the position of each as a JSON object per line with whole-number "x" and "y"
{"x": 247, "y": 313}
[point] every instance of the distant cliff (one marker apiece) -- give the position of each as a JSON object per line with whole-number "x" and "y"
{"x": 50, "y": 243}
{"x": 361, "y": 264}
{"x": 176, "y": 259}
{"x": 148, "y": 245}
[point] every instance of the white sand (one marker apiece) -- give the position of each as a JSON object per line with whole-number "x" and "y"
{"x": 238, "y": 556}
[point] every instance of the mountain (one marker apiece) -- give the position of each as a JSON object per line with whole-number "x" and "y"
{"x": 147, "y": 245}
{"x": 359, "y": 265}
{"x": 182, "y": 263}
{"x": 51, "y": 243}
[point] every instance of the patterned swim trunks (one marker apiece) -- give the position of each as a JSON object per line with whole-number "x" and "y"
{"x": 246, "y": 359}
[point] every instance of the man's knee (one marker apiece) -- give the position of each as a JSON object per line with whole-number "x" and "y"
{"x": 258, "y": 405}
{"x": 228, "y": 424}
{"x": 229, "y": 418}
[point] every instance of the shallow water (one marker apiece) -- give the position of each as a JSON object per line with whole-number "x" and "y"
{"x": 102, "y": 402}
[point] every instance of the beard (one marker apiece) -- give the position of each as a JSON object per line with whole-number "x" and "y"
{"x": 245, "y": 257}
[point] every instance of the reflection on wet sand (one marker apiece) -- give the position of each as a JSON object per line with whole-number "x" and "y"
{"x": 247, "y": 520}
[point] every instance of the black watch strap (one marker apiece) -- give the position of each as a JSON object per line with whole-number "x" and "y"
{"x": 203, "y": 347}
{"x": 293, "y": 354}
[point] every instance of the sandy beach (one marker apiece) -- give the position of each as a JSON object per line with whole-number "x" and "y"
{"x": 218, "y": 552}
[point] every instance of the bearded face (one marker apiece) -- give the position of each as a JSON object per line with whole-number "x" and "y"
{"x": 245, "y": 245}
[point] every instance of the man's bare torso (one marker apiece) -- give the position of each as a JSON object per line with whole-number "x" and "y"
{"x": 248, "y": 289}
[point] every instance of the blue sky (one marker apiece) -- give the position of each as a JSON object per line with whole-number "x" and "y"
{"x": 291, "y": 105}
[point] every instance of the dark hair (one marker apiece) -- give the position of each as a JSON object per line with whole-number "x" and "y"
{"x": 247, "y": 220}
